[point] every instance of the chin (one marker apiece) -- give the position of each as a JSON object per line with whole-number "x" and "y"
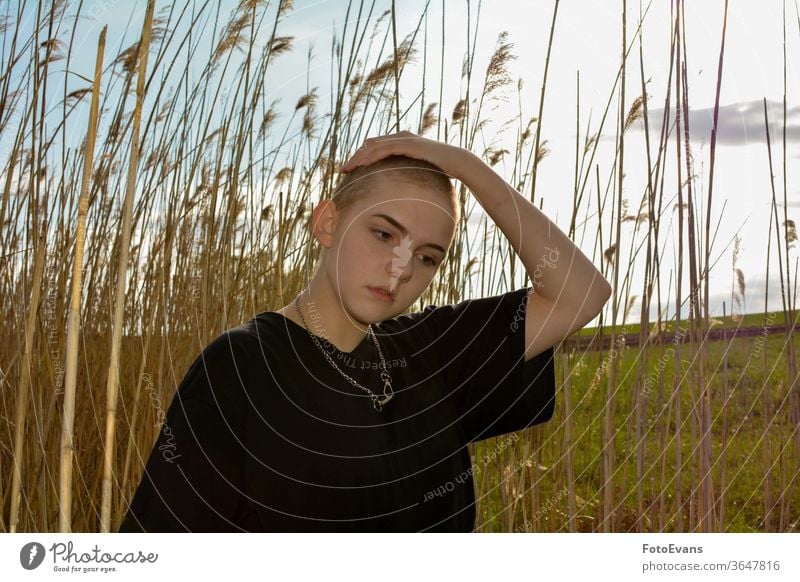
{"x": 365, "y": 312}
{"x": 379, "y": 313}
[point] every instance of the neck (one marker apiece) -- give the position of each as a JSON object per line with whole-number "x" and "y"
{"x": 325, "y": 317}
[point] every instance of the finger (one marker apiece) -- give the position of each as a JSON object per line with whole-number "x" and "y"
{"x": 376, "y": 148}
{"x": 382, "y": 149}
{"x": 353, "y": 161}
{"x": 389, "y": 136}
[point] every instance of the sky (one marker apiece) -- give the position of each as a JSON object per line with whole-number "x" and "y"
{"x": 587, "y": 42}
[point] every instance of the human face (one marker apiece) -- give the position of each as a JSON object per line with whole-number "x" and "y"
{"x": 395, "y": 239}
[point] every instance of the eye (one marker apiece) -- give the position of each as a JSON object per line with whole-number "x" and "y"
{"x": 428, "y": 260}
{"x": 379, "y": 234}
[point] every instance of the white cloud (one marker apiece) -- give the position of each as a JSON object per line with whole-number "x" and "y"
{"x": 739, "y": 123}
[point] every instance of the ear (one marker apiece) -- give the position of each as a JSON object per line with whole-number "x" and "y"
{"x": 323, "y": 222}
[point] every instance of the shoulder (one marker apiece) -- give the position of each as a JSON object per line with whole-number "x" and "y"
{"x": 480, "y": 313}
{"x": 240, "y": 341}
{"x": 417, "y": 323}
{"x": 223, "y": 368}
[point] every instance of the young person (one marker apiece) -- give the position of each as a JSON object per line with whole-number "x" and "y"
{"x": 341, "y": 412}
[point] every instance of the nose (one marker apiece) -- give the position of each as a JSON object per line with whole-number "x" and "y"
{"x": 400, "y": 270}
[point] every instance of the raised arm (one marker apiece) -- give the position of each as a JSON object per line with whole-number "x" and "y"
{"x": 569, "y": 290}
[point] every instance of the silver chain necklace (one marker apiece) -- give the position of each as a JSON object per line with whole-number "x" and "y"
{"x": 377, "y": 402}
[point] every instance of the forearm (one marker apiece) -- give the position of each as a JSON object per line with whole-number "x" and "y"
{"x": 557, "y": 268}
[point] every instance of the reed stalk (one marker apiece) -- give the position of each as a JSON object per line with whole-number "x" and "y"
{"x": 113, "y": 378}
{"x": 20, "y": 415}
{"x": 679, "y": 270}
{"x": 77, "y": 274}
{"x": 706, "y": 455}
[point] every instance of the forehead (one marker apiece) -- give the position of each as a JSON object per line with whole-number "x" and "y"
{"x": 423, "y": 211}
{"x": 390, "y": 188}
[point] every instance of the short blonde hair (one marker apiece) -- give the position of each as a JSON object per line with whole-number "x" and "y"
{"x": 356, "y": 185}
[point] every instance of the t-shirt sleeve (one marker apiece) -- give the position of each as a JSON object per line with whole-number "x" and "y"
{"x": 191, "y": 478}
{"x": 479, "y": 345}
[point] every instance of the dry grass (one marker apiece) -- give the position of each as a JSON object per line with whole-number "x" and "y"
{"x": 203, "y": 222}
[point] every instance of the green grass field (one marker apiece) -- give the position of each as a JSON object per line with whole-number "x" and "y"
{"x": 749, "y": 374}
{"x": 743, "y": 321}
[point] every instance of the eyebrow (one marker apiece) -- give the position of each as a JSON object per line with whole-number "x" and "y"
{"x": 404, "y": 230}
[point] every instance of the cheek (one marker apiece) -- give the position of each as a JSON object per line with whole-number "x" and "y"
{"x": 424, "y": 282}
{"x": 359, "y": 255}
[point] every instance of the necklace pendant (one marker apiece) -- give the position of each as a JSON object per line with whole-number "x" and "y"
{"x": 376, "y": 404}
{"x": 387, "y": 391}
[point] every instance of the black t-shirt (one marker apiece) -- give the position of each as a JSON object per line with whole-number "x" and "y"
{"x": 264, "y": 435}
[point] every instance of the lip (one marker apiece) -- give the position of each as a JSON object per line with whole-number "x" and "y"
{"x": 382, "y": 294}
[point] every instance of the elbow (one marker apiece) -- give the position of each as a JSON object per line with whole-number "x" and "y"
{"x": 596, "y": 298}
{"x": 587, "y": 302}
{"x": 599, "y": 287}
{"x": 605, "y": 291}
